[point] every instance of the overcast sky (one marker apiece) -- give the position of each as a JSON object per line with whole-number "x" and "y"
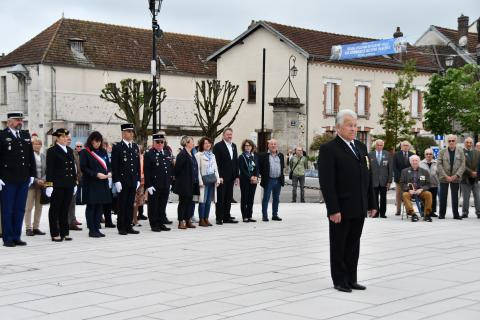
{"x": 20, "y": 20}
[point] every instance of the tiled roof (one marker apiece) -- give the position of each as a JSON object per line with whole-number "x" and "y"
{"x": 114, "y": 47}
{"x": 319, "y": 44}
{"x": 452, "y": 35}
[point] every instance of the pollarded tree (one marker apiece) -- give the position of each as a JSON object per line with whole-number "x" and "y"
{"x": 395, "y": 119}
{"x": 213, "y": 101}
{"x": 134, "y": 99}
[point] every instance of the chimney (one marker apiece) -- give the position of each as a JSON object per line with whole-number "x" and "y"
{"x": 252, "y": 23}
{"x": 398, "y": 33}
{"x": 462, "y": 29}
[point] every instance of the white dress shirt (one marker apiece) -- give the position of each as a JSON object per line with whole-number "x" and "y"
{"x": 230, "y": 148}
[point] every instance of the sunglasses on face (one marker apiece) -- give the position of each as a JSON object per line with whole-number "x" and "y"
{"x": 429, "y": 154}
{"x": 79, "y": 146}
{"x": 451, "y": 140}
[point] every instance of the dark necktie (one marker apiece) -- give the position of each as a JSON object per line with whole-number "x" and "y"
{"x": 17, "y": 134}
{"x": 405, "y": 156}
{"x": 355, "y": 150}
{"x": 129, "y": 145}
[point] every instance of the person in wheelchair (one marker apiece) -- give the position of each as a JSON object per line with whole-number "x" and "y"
{"x": 415, "y": 182}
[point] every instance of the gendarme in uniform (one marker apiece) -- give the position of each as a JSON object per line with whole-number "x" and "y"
{"x": 17, "y": 169}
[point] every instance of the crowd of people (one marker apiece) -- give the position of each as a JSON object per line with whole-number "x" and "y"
{"x": 121, "y": 178}
{"x": 423, "y": 181}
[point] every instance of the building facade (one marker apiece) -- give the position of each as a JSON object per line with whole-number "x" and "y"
{"x": 322, "y": 86}
{"x": 56, "y": 78}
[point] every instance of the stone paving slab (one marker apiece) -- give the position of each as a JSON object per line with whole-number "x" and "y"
{"x": 274, "y": 270}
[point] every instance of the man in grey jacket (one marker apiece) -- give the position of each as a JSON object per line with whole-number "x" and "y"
{"x": 382, "y": 174}
{"x": 450, "y": 168}
{"x": 469, "y": 182}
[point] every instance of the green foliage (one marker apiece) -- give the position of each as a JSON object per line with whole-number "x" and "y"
{"x": 453, "y": 101}
{"x": 420, "y": 143}
{"x": 320, "y": 139}
{"x": 396, "y": 120}
{"x": 134, "y": 99}
{"x": 213, "y": 101}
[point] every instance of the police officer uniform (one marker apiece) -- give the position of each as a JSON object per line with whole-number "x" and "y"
{"x": 126, "y": 175}
{"x": 17, "y": 169}
{"x": 158, "y": 172}
{"x": 61, "y": 185}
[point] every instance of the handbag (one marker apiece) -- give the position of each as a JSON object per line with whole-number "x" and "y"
{"x": 290, "y": 175}
{"x": 43, "y": 197}
{"x": 209, "y": 178}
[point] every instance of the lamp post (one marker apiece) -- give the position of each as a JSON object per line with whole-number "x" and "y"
{"x": 292, "y": 72}
{"x": 449, "y": 61}
{"x": 155, "y": 6}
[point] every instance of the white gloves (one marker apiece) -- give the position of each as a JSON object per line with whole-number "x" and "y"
{"x": 151, "y": 190}
{"x": 118, "y": 186}
{"x": 75, "y": 190}
{"x": 49, "y": 191}
{"x": 1, "y": 184}
{"x": 138, "y": 185}
{"x": 31, "y": 181}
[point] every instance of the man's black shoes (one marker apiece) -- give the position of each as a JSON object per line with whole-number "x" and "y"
{"x": 276, "y": 218}
{"x": 356, "y": 286}
{"x": 342, "y": 288}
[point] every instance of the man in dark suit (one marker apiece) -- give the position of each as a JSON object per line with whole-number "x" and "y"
{"x": 271, "y": 166}
{"x": 400, "y": 162}
{"x": 382, "y": 174}
{"x": 158, "y": 171}
{"x": 17, "y": 172}
{"x": 345, "y": 180}
{"x": 126, "y": 177}
{"x": 226, "y": 155}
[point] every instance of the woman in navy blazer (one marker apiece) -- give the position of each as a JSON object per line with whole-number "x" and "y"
{"x": 96, "y": 170}
{"x": 248, "y": 165}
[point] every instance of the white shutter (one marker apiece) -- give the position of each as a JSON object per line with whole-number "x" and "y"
{"x": 415, "y": 104}
{"x": 330, "y": 98}
{"x": 361, "y": 100}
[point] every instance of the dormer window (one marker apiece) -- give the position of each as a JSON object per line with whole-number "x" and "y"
{"x": 76, "y": 45}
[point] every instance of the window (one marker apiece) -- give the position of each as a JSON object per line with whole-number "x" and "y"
{"x": 416, "y": 104}
{"x": 331, "y": 98}
{"x": 362, "y": 136}
{"x": 252, "y": 91}
{"x": 362, "y": 102}
{"x": 23, "y": 94}
{"x": 81, "y": 130}
{"x": 3, "y": 90}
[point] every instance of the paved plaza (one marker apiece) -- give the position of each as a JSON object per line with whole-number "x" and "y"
{"x": 261, "y": 271}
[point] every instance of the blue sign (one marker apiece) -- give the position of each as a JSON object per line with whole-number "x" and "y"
{"x": 436, "y": 151}
{"x": 368, "y": 49}
{"x": 438, "y": 137}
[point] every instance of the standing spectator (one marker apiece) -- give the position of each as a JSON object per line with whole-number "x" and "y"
{"x": 96, "y": 171}
{"x": 382, "y": 174}
{"x": 450, "y": 168}
{"x": 298, "y": 165}
{"x": 17, "y": 172}
{"x": 226, "y": 156}
{"x": 126, "y": 177}
{"x": 77, "y": 198}
{"x": 35, "y": 191}
{"x": 158, "y": 169}
{"x": 208, "y": 178}
{"x": 430, "y": 164}
{"x": 108, "y": 207}
{"x": 61, "y": 185}
{"x": 469, "y": 182}
{"x": 400, "y": 162}
{"x": 271, "y": 166}
{"x": 248, "y": 164}
{"x": 186, "y": 182}
{"x": 346, "y": 184}
{"x": 477, "y": 146}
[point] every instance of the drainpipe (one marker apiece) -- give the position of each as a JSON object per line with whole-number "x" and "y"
{"x": 307, "y": 91}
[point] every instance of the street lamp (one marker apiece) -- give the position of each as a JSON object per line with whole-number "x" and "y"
{"x": 155, "y": 6}
{"x": 292, "y": 73}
